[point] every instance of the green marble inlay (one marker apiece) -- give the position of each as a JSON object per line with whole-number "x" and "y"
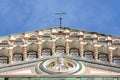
{"x": 1, "y": 78}
{"x": 62, "y": 78}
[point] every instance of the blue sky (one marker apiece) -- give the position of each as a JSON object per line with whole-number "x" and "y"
{"x": 18, "y": 16}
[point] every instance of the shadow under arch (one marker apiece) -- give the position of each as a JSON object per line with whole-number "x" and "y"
{"x": 4, "y": 56}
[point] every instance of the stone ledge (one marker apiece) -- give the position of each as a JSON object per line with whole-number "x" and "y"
{"x": 63, "y": 76}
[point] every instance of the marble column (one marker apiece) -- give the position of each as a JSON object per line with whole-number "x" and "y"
{"x": 81, "y": 49}
{"x": 53, "y": 47}
{"x": 25, "y": 52}
{"x": 110, "y": 55}
{"x": 10, "y": 54}
{"x": 67, "y": 47}
{"x": 96, "y": 52}
{"x": 39, "y": 47}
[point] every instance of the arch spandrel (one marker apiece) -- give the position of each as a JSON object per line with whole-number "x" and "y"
{"x": 17, "y": 49}
{"x": 46, "y": 44}
{"x": 103, "y": 49}
{"x": 89, "y": 47}
{"x": 116, "y": 52}
{"x": 32, "y": 47}
{"x": 74, "y": 44}
{"x": 4, "y": 52}
{"x": 60, "y": 41}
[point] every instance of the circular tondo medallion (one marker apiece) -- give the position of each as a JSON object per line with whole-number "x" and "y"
{"x": 60, "y": 65}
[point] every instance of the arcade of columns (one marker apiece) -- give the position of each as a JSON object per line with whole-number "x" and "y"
{"x": 68, "y": 40}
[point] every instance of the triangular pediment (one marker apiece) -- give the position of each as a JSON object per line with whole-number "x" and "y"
{"x": 30, "y": 71}
{"x": 29, "y": 68}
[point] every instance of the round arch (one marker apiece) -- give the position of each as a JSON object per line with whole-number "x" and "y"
{"x": 17, "y": 54}
{"x": 89, "y": 51}
{"x": 74, "y": 48}
{"x": 32, "y": 51}
{"x": 103, "y": 53}
{"x": 46, "y": 48}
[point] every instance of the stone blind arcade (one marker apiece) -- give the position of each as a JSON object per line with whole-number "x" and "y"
{"x": 60, "y": 41}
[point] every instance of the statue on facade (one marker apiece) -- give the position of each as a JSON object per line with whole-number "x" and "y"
{"x": 61, "y": 65}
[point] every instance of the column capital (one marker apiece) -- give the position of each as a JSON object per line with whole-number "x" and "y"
{"x": 25, "y": 45}
{"x": 53, "y": 40}
{"x": 39, "y": 41}
{"x": 82, "y": 43}
{"x": 111, "y": 48}
{"x": 67, "y": 40}
{"x": 10, "y": 47}
{"x": 96, "y": 45}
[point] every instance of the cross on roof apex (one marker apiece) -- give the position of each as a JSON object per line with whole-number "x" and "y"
{"x": 60, "y": 17}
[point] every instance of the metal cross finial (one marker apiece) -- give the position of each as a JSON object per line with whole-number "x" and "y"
{"x": 60, "y": 18}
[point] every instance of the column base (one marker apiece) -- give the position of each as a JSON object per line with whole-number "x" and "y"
{"x": 26, "y": 59}
{"x": 39, "y": 55}
{"x": 97, "y": 60}
{"x": 111, "y": 62}
{"x": 67, "y": 54}
{"x": 54, "y": 54}
{"x": 11, "y": 62}
{"x": 81, "y": 56}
